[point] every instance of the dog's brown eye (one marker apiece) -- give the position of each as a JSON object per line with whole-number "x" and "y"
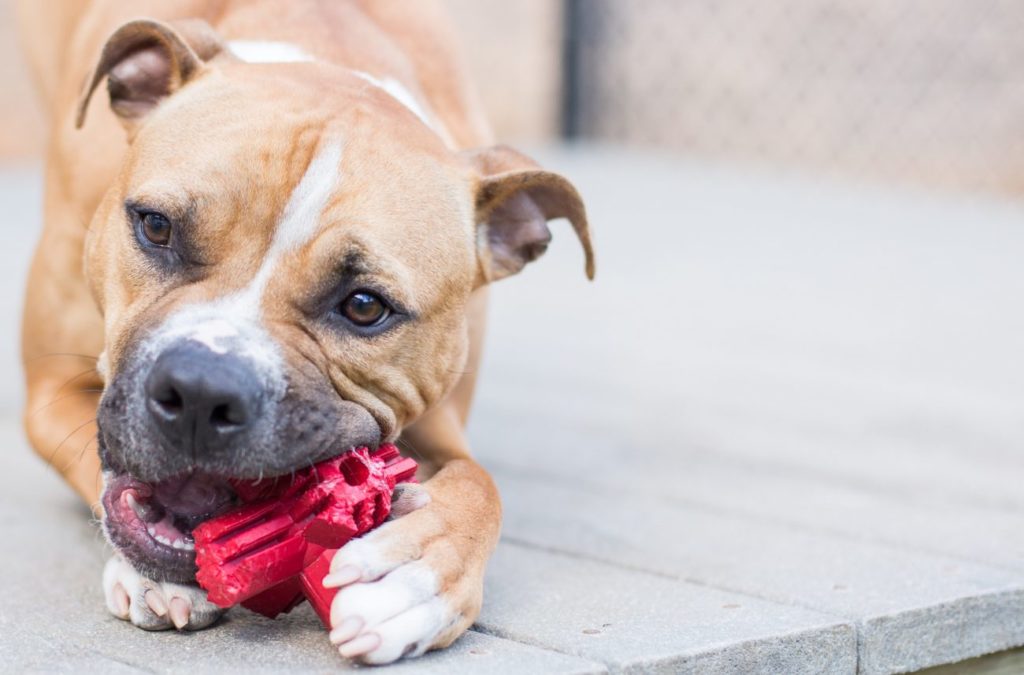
{"x": 364, "y": 309}
{"x": 156, "y": 229}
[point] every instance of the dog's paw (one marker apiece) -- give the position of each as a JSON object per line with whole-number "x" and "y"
{"x": 407, "y": 587}
{"x": 154, "y": 605}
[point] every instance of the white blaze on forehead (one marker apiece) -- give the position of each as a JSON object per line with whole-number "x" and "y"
{"x": 400, "y": 93}
{"x": 299, "y": 223}
{"x": 301, "y": 218}
{"x": 267, "y": 51}
{"x": 271, "y": 51}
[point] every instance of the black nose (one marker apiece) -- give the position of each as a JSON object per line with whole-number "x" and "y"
{"x": 201, "y": 400}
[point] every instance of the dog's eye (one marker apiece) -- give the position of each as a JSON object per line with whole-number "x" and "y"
{"x": 363, "y": 308}
{"x": 156, "y": 228}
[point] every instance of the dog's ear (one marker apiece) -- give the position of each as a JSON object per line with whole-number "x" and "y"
{"x": 515, "y": 199}
{"x": 145, "y": 61}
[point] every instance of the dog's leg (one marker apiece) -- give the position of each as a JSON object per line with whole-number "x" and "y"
{"x": 60, "y": 424}
{"x": 62, "y": 336}
{"x": 154, "y": 605}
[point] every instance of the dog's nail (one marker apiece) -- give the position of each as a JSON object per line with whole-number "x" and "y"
{"x": 156, "y": 603}
{"x": 361, "y": 645}
{"x": 342, "y": 577}
{"x": 179, "y": 612}
{"x": 347, "y": 630}
{"x": 121, "y": 601}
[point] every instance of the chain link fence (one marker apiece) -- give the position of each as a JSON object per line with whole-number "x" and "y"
{"x": 927, "y": 91}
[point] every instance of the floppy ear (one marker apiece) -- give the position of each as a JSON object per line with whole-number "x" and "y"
{"x": 514, "y": 200}
{"x": 145, "y": 61}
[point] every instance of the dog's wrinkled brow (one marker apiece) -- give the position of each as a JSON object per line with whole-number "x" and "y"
{"x": 382, "y": 273}
{"x": 356, "y": 263}
{"x": 181, "y": 207}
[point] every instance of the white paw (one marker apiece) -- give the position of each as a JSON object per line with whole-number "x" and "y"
{"x": 154, "y": 605}
{"x": 405, "y": 588}
{"x": 398, "y": 615}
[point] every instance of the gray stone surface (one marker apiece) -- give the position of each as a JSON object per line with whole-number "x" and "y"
{"x": 912, "y": 609}
{"x": 636, "y": 621}
{"x": 797, "y": 397}
{"x": 1004, "y": 663}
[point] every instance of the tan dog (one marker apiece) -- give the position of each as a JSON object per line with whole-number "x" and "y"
{"x": 287, "y": 240}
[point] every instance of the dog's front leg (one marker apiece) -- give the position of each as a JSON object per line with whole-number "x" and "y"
{"x": 60, "y": 421}
{"x": 416, "y": 583}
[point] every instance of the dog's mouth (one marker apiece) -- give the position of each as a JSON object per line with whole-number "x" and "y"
{"x": 151, "y": 523}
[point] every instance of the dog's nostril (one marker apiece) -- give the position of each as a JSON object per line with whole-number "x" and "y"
{"x": 226, "y": 415}
{"x": 170, "y": 401}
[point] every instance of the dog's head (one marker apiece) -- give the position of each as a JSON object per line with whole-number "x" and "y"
{"x": 283, "y": 265}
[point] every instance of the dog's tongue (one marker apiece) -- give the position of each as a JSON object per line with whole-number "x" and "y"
{"x": 193, "y": 495}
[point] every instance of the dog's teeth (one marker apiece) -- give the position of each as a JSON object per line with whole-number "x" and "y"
{"x": 184, "y": 545}
{"x": 162, "y": 539}
{"x": 136, "y": 506}
{"x": 142, "y": 510}
{"x": 152, "y": 530}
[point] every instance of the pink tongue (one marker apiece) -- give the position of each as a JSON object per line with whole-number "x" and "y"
{"x": 165, "y": 528}
{"x": 194, "y": 495}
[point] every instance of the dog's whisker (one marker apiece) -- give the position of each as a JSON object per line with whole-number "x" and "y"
{"x": 410, "y": 449}
{"x": 61, "y": 398}
{"x": 66, "y": 354}
{"x": 74, "y": 431}
{"x": 75, "y": 377}
{"x": 81, "y": 453}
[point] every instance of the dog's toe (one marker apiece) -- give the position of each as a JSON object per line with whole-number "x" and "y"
{"x": 404, "y": 589}
{"x": 153, "y": 605}
{"x": 131, "y": 597}
{"x": 188, "y": 607}
{"x": 399, "y": 615}
{"x": 408, "y": 634}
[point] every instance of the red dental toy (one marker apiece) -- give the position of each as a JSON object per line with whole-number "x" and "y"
{"x": 274, "y": 551}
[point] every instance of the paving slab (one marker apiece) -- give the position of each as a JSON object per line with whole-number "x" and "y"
{"x": 912, "y": 610}
{"x": 984, "y": 534}
{"x": 1004, "y": 663}
{"x": 638, "y": 622}
{"x": 24, "y": 652}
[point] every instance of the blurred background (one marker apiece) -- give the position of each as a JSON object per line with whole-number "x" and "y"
{"x": 929, "y": 92}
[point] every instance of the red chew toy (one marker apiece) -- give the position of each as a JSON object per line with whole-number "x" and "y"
{"x": 274, "y": 551}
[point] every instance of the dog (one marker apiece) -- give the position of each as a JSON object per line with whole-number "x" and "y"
{"x": 268, "y": 243}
